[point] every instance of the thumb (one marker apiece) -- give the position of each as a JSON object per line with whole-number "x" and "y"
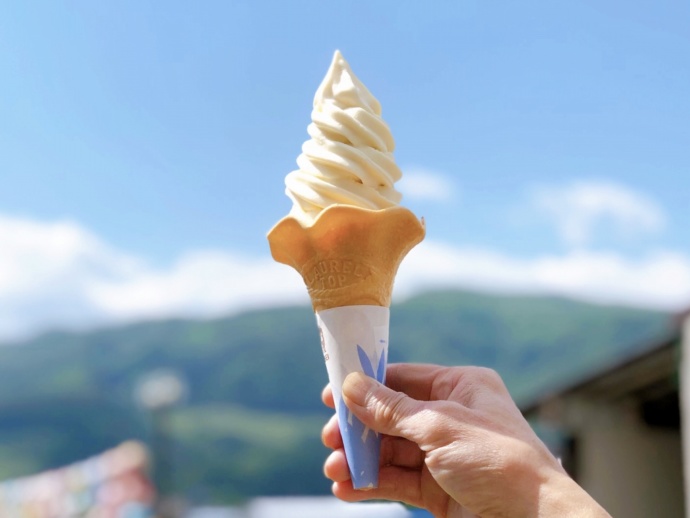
{"x": 382, "y": 409}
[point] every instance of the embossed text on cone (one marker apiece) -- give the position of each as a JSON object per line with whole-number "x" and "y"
{"x": 348, "y": 256}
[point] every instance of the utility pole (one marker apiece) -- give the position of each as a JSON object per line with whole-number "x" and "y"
{"x": 685, "y": 406}
{"x": 158, "y": 392}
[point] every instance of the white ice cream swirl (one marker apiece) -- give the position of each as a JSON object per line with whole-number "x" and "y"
{"x": 349, "y": 158}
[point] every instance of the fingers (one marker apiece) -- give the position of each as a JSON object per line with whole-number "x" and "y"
{"x": 426, "y": 382}
{"x": 330, "y": 435}
{"x": 433, "y": 382}
{"x": 379, "y": 407}
{"x": 394, "y": 484}
{"x": 471, "y": 386}
{"x": 414, "y": 487}
{"x": 414, "y": 379}
{"x": 394, "y": 413}
{"x": 395, "y": 451}
{"x": 327, "y": 396}
{"x": 446, "y": 397}
{"x": 336, "y": 467}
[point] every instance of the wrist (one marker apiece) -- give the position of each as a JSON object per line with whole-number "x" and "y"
{"x": 562, "y": 497}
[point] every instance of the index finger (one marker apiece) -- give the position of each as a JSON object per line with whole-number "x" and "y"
{"x": 414, "y": 379}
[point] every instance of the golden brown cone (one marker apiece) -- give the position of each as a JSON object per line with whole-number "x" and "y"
{"x": 349, "y": 256}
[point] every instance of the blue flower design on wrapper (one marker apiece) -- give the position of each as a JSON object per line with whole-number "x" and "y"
{"x": 367, "y": 367}
{"x": 362, "y": 445}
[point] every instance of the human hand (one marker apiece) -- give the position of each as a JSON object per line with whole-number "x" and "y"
{"x": 455, "y": 444}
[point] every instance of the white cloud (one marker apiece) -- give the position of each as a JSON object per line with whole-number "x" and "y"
{"x": 425, "y": 185}
{"x": 59, "y": 275}
{"x": 659, "y": 280}
{"x": 580, "y": 208}
{"x": 201, "y": 283}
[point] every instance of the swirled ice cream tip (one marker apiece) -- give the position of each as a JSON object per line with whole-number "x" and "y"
{"x": 349, "y": 158}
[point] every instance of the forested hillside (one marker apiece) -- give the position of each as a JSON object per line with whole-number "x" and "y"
{"x": 251, "y": 422}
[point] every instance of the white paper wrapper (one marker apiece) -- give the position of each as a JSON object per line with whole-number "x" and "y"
{"x": 355, "y": 339}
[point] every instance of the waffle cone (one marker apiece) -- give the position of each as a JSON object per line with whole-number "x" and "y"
{"x": 348, "y": 256}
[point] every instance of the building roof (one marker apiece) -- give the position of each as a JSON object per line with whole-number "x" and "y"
{"x": 650, "y": 367}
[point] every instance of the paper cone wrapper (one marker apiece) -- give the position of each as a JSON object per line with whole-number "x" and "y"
{"x": 355, "y": 339}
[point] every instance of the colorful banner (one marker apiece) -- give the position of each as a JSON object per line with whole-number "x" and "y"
{"x": 113, "y": 484}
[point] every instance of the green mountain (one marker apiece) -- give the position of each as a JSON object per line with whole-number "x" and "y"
{"x": 251, "y": 422}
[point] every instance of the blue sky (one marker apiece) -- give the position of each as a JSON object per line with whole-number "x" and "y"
{"x": 143, "y": 148}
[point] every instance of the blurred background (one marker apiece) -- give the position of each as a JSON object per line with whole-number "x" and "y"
{"x": 143, "y": 147}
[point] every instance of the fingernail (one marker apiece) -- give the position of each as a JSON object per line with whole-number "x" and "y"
{"x": 357, "y": 387}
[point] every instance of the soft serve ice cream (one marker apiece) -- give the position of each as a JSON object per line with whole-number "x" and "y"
{"x": 349, "y": 158}
{"x": 346, "y": 235}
